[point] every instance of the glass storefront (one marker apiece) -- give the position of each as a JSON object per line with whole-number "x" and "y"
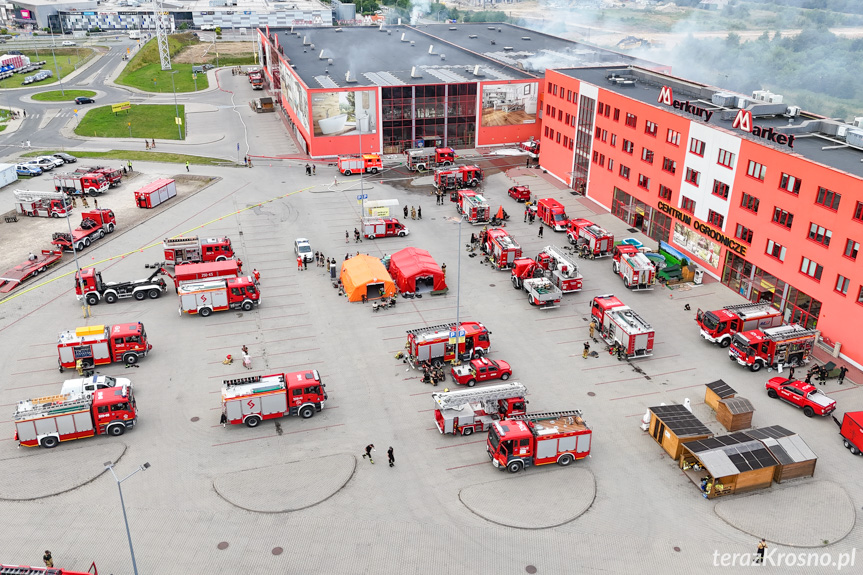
{"x": 641, "y": 216}
{"x": 438, "y": 114}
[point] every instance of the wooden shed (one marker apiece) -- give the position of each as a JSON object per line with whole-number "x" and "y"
{"x": 735, "y": 413}
{"x": 673, "y": 425}
{"x": 716, "y": 391}
{"x": 794, "y": 456}
{"x": 734, "y": 463}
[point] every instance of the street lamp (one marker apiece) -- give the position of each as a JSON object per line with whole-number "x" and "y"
{"x": 176, "y": 108}
{"x": 79, "y": 281}
{"x": 56, "y": 67}
{"x": 362, "y": 165}
{"x": 110, "y": 466}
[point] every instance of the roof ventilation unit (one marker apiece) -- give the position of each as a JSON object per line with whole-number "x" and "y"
{"x": 349, "y": 78}
{"x": 306, "y": 41}
{"x": 774, "y": 98}
{"x": 381, "y": 27}
{"x": 443, "y": 56}
{"x": 329, "y": 62}
{"x": 338, "y": 30}
{"x": 792, "y": 111}
{"x": 490, "y": 28}
{"x": 413, "y": 43}
{"x": 431, "y": 49}
{"x": 322, "y": 55}
{"x": 415, "y": 73}
{"x": 453, "y": 28}
{"x": 403, "y": 39}
{"x": 526, "y": 38}
{"x": 473, "y": 36}
{"x": 312, "y": 47}
{"x": 476, "y": 71}
{"x": 507, "y": 48}
{"x": 389, "y": 32}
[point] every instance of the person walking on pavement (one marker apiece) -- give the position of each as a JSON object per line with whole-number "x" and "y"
{"x": 531, "y": 218}
{"x": 419, "y": 212}
{"x": 300, "y": 263}
{"x": 791, "y": 372}
{"x": 539, "y": 235}
{"x": 146, "y": 144}
{"x": 96, "y": 203}
{"x": 586, "y": 350}
{"x": 406, "y": 211}
{"x": 48, "y": 559}
{"x": 153, "y": 144}
{"x": 308, "y": 170}
{"x": 390, "y": 456}
{"x": 347, "y": 237}
{"x": 842, "y": 371}
{"x": 314, "y": 172}
{"x": 527, "y": 164}
{"x": 305, "y": 263}
{"x": 130, "y": 165}
{"x": 187, "y": 165}
{"x": 592, "y": 327}
{"x": 333, "y": 268}
{"x": 369, "y": 448}
{"x": 413, "y": 213}
{"x": 762, "y": 545}
{"x": 809, "y": 375}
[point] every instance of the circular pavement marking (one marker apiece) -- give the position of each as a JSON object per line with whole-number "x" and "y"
{"x": 530, "y": 489}
{"x": 73, "y": 465}
{"x": 810, "y": 514}
{"x": 286, "y": 487}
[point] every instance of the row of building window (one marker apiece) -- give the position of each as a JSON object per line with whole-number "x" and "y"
{"x": 553, "y": 89}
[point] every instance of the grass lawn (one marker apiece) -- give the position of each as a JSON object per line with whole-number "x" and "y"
{"x": 57, "y": 95}
{"x": 143, "y": 77}
{"x": 146, "y": 122}
{"x": 139, "y": 156}
{"x": 66, "y": 58}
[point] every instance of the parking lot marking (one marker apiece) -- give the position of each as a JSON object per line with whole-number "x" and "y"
{"x": 232, "y": 334}
{"x": 286, "y": 327}
{"x": 36, "y": 385}
{"x": 277, "y": 435}
{"x": 36, "y": 357}
{"x": 288, "y": 352}
{"x": 283, "y": 369}
{"x": 460, "y": 444}
{"x": 469, "y": 465}
{"x": 33, "y": 371}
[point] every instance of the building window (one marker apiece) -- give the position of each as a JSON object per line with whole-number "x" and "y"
{"x": 715, "y": 218}
{"x": 851, "y": 249}
{"x": 860, "y": 295}
{"x": 597, "y": 132}
{"x": 811, "y": 269}
{"x": 720, "y": 189}
{"x": 643, "y": 181}
{"x": 545, "y": 131}
{"x": 664, "y": 192}
{"x": 560, "y": 115}
{"x": 726, "y": 158}
{"x": 627, "y": 146}
{"x": 673, "y": 137}
{"x": 567, "y": 118}
{"x": 775, "y": 250}
{"x": 750, "y": 203}
{"x": 828, "y": 199}
{"x": 692, "y": 176}
{"x": 696, "y": 147}
{"x": 790, "y": 184}
{"x": 601, "y": 156}
{"x": 820, "y": 234}
{"x": 610, "y": 164}
{"x": 565, "y": 141}
{"x": 624, "y": 172}
{"x": 782, "y": 217}
{"x": 571, "y": 142}
{"x": 756, "y": 170}
{"x": 743, "y": 233}
{"x": 647, "y": 155}
{"x": 554, "y": 89}
{"x": 547, "y": 109}
{"x": 558, "y": 137}
{"x": 669, "y": 165}
{"x": 858, "y": 211}
{"x": 687, "y": 205}
{"x": 572, "y": 120}
{"x": 650, "y": 128}
{"x": 842, "y": 284}
{"x": 631, "y": 120}
{"x": 551, "y": 134}
{"x": 604, "y": 134}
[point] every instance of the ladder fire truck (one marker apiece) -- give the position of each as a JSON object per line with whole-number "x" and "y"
{"x": 432, "y": 344}
{"x": 100, "y": 345}
{"x": 45, "y": 204}
{"x": 204, "y": 298}
{"x": 637, "y": 271}
{"x": 537, "y": 439}
{"x": 619, "y": 324}
{"x": 474, "y": 207}
{"x": 720, "y": 325}
{"x": 786, "y": 345}
{"x": 366, "y": 163}
{"x": 469, "y": 410}
{"x": 47, "y": 421}
{"x": 112, "y": 175}
{"x": 531, "y": 147}
{"x": 89, "y": 287}
{"x": 598, "y": 241}
{"x": 501, "y": 248}
{"x": 94, "y": 225}
{"x": 192, "y": 250}
{"x": 562, "y": 269}
{"x": 251, "y": 400}
{"x": 81, "y": 184}
{"x": 422, "y": 159}
{"x": 460, "y": 177}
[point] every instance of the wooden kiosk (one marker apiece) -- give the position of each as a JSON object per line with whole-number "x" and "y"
{"x": 717, "y": 391}
{"x": 728, "y": 464}
{"x": 673, "y": 425}
{"x": 794, "y": 456}
{"x": 735, "y": 413}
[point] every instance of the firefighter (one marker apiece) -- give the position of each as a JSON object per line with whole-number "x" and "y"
{"x": 419, "y": 212}
{"x": 413, "y": 213}
{"x": 620, "y": 353}
{"x": 228, "y": 360}
{"x": 406, "y": 211}
{"x": 586, "y": 350}
{"x": 592, "y": 327}
{"x": 79, "y": 367}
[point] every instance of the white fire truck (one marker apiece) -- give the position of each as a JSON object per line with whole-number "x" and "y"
{"x": 786, "y": 345}
{"x": 219, "y": 295}
{"x": 562, "y": 269}
{"x": 719, "y": 326}
{"x": 542, "y": 293}
{"x": 598, "y": 241}
{"x": 537, "y": 439}
{"x": 619, "y": 324}
{"x": 469, "y": 410}
{"x": 637, "y": 271}
{"x": 45, "y": 204}
{"x": 251, "y": 400}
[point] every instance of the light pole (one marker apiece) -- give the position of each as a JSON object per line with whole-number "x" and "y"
{"x": 56, "y": 67}
{"x": 176, "y": 107}
{"x": 109, "y": 465}
{"x": 362, "y": 166}
{"x": 78, "y": 280}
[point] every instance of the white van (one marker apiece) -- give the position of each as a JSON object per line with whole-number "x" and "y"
{"x": 88, "y": 385}
{"x": 135, "y": 34}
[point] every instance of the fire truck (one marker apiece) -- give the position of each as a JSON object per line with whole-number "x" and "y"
{"x": 618, "y": 252}
{"x": 637, "y": 271}
{"x": 76, "y": 184}
{"x": 519, "y": 193}
{"x": 531, "y": 147}
{"x": 537, "y": 439}
{"x": 598, "y": 241}
{"x": 102, "y": 344}
{"x": 455, "y": 178}
{"x": 89, "y": 287}
{"x": 47, "y": 421}
{"x": 501, "y": 248}
{"x": 474, "y": 207}
{"x": 191, "y": 250}
{"x": 45, "y": 204}
{"x": 256, "y": 79}
{"x": 619, "y": 324}
{"x": 422, "y": 159}
{"x": 204, "y": 298}
{"x": 94, "y": 225}
{"x": 432, "y": 343}
{"x": 562, "y": 269}
{"x": 785, "y": 344}
{"x": 552, "y": 213}
{"x": 525, "y": 268}
{"x": 366, "y": 163}
{"x": 112, "y": 175}
{"x": 469, "y": 410}
{"x": 251, "y": 400}
{"x": 542, "y": 292}
{"x": 383, "y": 228}
{"x": 720, "y": 325}
{"x": 224, "y": 269}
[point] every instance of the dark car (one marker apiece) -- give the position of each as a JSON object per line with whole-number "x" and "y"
{"x": 84, "y": 100}
{"x": 69, "y": 159}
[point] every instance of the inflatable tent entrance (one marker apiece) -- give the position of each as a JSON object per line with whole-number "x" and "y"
{"x": 364, "y": 275}
{"x": 415, "y": 271}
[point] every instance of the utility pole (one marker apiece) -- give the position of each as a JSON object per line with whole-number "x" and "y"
{"x": 162, "y": 36}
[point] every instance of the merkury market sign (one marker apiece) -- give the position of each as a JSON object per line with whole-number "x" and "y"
{"x": 703, "y": 228}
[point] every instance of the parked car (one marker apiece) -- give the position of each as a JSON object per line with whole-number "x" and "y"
{"x": 482, "y": 369}
{"x": 56, "y": 162}
{"x": 304, "y": 249}
{"x": 46, "y": 165}
{"x": 67, "y": 158}
{"x": 84, "y": 100}
{"x": 28, "y": 169}
{"x": 68, "y": 43}
{"x": 802, "y": 395}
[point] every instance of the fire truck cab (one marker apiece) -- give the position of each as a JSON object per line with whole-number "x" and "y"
{"x": 553, "y": 214}
{"x": 599, "y": 241}
{"x": 366, "y": 163}
{"x": 468, "y": 410}
{"x": 618, "y": 252}
{"x": 100, "y": 345}
{"x": 433, "y": 343}
{"x": 537, "y": 439}
{"x": 531, "y": 147}
{"x": 251, "y": 400}
{"x": 501, "y": 248}
{"x": 193, "y": 250}
{"x": 786, "y": 345}
{"x": 719, "y": 326}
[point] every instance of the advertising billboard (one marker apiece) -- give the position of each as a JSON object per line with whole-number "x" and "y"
{"x": 344, "y": 113}
{"x": 696, "y": 244}
{"x": 295, "y": 95}
{"x": 509, "y": 104}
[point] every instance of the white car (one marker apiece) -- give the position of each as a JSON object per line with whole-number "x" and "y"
{"x": 56, "y": 161}
{"x": 303, "y": 249}
{"x": 46, "y": 165}
{"x": 67, "y": 43}
{"x": 86, "y": 386}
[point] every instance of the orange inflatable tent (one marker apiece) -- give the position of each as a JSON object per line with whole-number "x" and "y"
{"x": 364, "y": 275}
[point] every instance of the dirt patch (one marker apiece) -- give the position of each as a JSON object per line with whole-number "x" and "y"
{"x": 205, "y": 53}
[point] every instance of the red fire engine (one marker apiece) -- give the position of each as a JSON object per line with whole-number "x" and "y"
{"x": 531, "y": 147}
{"x": 422, "y": 159}
{"x": 619, "y": 324}
{"x": 501, "y": 248}
{"x": 537, "y": 439}
{"x": 94, "y": 225}
{"x": 25, "y": 570}
{"x": 89, "y": 287}
{"x": 619, "y": 251}
{"x": 101, "y": 345}
{"x": 432, "y": 343}
{"x": 474, "y": 207}
{"x": 45, "y": 204}
{"x": 383, "y": 228}
{"x": 469, "y": 410}
{"x": 519, "y": 193}
{"x": 251, "y": 400}
{"x": 81, "y": 184}
{"x": 113, "y": 176}
{"x": 552, "y": 213}
{"x": 203, "y": 298}
{"x": 366, "y": 163}
{"x": 460, "y": 177}
{"x": 786, "y": 345}
{"x": 720, "y": 325}
{"x": 598, "y": 241}
{"x": 562, "y": 269}
{"x": 191, "y": 250}
{"x": 224, "y": 269}
{"x": 637, "y": 271}
{"x": 47, "y": 421}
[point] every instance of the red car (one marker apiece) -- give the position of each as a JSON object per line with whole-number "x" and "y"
{"x": 520, "y": 193}
{"x": 800, "y": 394}
{"x": 482, "y": 369}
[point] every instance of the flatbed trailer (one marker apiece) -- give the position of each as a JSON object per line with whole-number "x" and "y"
{"x": 12, "y": 278}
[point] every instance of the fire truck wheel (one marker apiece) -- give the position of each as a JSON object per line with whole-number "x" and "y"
{"x": 626, "y": 282}
{"x": 471, "y": 383}
{"x": 504, "y": 376}
{"x": 564, "y": 460}
{"x": 110, "y": 297}
{"x": 92, "y": 299}
{"x": 87, "y": 242}
{"x": 140, "y": 295}
{"x": 307, "y": 411}
{"x": 35, "y": 273}
{"x": 614, "y": 267}
{"x": 467, "y": 431}
{"x": 110, "y": 228}
{"x": 79, "y": 246}
{"x": 101, "y": 234}
{"x": 348, "y": 172}
{"x": 93, "y": 193}
{"x": 514, "y": 466}
{"x": 846, "y": 444}
{"x": 473, "y": 183}
{"x": 370, "y": 237}
{"x": 725, "y": 342}
{"x": 204, "y": 312}
{"x": 253, "y": 421}
{"x": 116, "y": 430}
{"x": 755, "y": 367}
{"x": 402, "y": 234}
{"x": 771, "y": 393}
{"x": 477, "y": 354}
{"x": 154, "y": 293}
{"x": 437, "y": 362}
{"x": 854, "y": 451}
{"x": 30, "y": 214}
{"x": 808, "y": 412}
{"x": 374, "y": 170}
{"x": 49, "y": 442}
{"x": 130, "y": 359}
{"x": 247, "y": 306}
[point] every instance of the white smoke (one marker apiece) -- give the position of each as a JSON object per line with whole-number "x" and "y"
{"x": 419, "y": 8}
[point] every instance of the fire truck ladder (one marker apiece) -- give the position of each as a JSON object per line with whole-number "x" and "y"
{"x": 561, "y": 257}
{"x": 746, "y": 306}
{"x": 30, "y": 196}
{"x": 431, "y": 328}
{"x": 788, "y": 334}
{"x": 180, "y": 240}
{"x": 51, "y": 405}
{"x": 455, "y": 399}
{"x": 242, "y": 380}
{"x": 545, "y": 415}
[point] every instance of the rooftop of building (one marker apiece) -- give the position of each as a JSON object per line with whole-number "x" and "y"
{"x": 263, "y": 6}
{"x": 817, "y": 138}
